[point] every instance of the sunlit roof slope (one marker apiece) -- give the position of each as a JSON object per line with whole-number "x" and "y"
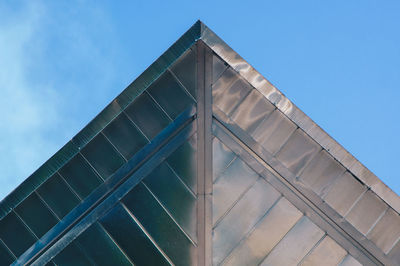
{"x": 201, "y": 161}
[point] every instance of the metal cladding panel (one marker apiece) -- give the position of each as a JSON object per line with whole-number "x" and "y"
{"x": 321, "y": 172}
{"x": 327, "y": 252}
{"x": 58, "y": 195}
{"x": 241, "y": 218}
{"x": 274, "y": 131}
{"x": 125, "y": 136}
{"x": 35, "y": 213}
{"x": 98, "y": 245}
{"x": 141, "y": 254}
{"x": 160, "y": 225}
{"x": 6, "y": 257}
{"x": 368, "y": 203}
{"x": 297, "y": 152}
{"x": 15, "y": 235}
{"x": 169, "y": 94}
{"x": 72, "y": 255}
{"x": 184, "y": 163}
{"x": 147, "y": 115}
{"x": 344, "y": 193}
{"x": 182, "y": 204}
{"x": 296, "y": 244}
{"x": 81, "y": 177}
{"x": 228, "y": 187}
{"x": 252, "y": 111}
{"x": 267, "y": 232}
{"x": 386, "y": 232}
{"x": 222, "y": 158}
{"x": 201, "y": 161}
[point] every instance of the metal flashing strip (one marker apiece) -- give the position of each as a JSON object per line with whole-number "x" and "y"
{"x": 201, "y": 228}
{"x": 281, "y": 179}
{"x": 111, "y": 184}
{"x": 299, "y": 118}
{"x": 204, "y": 169}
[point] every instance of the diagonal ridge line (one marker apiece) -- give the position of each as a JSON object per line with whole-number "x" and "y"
{"x": 147, "y": 234}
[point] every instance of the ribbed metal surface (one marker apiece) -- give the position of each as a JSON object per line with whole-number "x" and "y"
{"x": 201, "y": 161}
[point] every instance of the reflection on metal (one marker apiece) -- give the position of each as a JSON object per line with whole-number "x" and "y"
{"x": 201, "y": 161}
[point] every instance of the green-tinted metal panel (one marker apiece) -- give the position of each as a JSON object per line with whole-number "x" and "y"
{"x": 80, "y": 176}
{"x": 56, "y": 193}
{"x": 15, "y": 234}
{"x": 174, "y": 196}
{"x": 6, "y": 257}
{"x": 37, "y": 178}
{"x": 185, "y": 70}
{"x": 124, "y": 135}
{"x": 147, "y": 115}
{"x": 102, "y": 156}
{"x": 160, "y": 226}
{"x": 131, "y": 238}
{"x": 101, "y": 248}
{"x": 170, "y": 95}
{"x": 184, "y": 162}
{"x": 72, "y": 255}
{"x": 36, "y": 215}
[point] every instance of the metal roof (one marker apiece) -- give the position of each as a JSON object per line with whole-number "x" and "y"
{"x": 201, "y": 161}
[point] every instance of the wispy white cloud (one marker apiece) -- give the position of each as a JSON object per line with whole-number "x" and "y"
{"x": 24, "y": 109}
{"x": 37, "y": 103}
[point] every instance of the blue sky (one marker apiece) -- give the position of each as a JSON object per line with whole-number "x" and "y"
{"x": 62, "y": 62}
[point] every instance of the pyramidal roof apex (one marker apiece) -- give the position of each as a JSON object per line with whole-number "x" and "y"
{"x": 199, "y": 154}
{"x": 199, "y": 31}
